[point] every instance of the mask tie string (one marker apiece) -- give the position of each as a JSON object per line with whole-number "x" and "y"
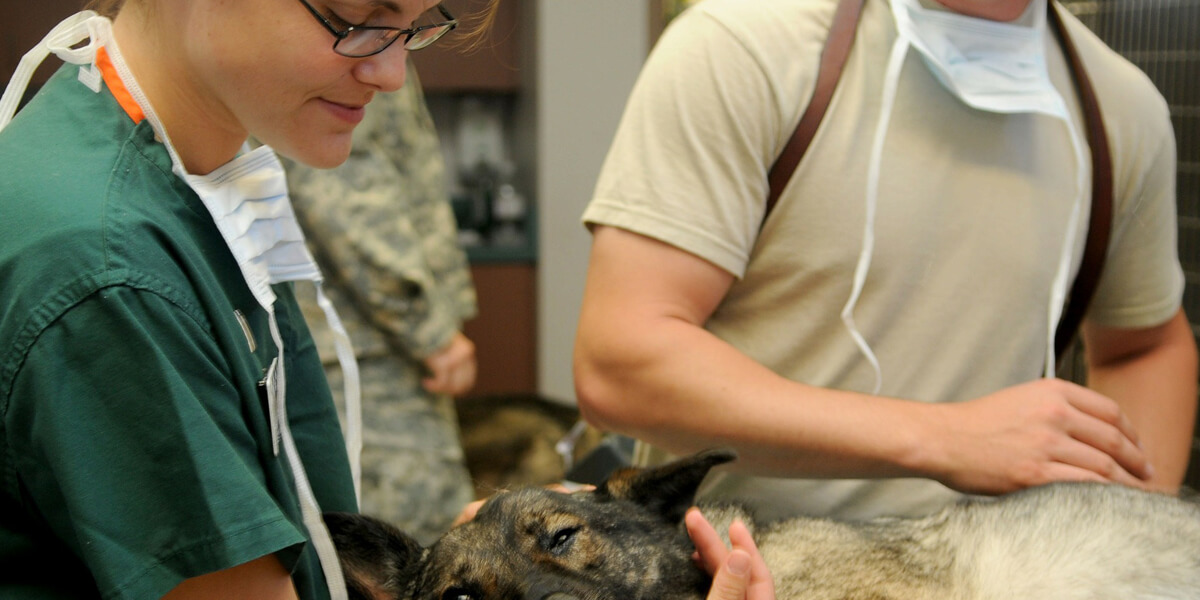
{"x": 890, "y": 87}
{"x": 310, "y": 510}
{"x": 351, "y": 387}
{"x": 1058, "y": 290}
{"x": 60, "y": 40}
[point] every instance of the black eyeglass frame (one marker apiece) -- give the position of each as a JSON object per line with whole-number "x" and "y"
{"x": 341, "y": 34}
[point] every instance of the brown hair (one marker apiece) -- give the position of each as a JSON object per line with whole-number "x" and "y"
{"x": 475, "y": 27}
{"x": 107, "y": 8}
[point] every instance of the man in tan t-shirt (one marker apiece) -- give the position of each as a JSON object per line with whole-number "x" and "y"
{"x": 879, "y": 345}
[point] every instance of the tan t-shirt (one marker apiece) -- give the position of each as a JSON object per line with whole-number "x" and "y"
{"x": 972, "y": 213}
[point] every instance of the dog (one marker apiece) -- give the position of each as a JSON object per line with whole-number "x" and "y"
{"x": 624, "y": 541}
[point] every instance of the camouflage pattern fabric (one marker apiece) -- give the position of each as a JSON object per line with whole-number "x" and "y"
{"x": 383, "y": 231}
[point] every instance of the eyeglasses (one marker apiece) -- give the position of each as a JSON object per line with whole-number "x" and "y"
{"x": 358, "y": 41}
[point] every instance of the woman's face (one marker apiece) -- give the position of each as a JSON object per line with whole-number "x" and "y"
{"x": 267, "y": 68}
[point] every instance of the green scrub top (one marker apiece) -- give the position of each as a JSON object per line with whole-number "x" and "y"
{"x": 135, "y": 445}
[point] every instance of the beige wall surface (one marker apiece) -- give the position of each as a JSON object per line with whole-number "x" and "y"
{"x": 588, "y": 55}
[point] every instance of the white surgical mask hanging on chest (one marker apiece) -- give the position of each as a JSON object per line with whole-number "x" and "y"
{"x": 249, "y": 203}
{"x": 248, "y": 200}
{"x": 992, "y": 67}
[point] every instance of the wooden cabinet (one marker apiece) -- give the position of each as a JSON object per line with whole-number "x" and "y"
{"x": 504, "y": 332}
{"x": 463, "y": 62}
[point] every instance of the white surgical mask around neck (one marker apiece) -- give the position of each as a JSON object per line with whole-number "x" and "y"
{"x": 992, "y": 67}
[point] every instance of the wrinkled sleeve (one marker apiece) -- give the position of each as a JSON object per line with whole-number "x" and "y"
{"x": 688, "y": 164}
{"x": 1142, "y": 282}
{"x": 141, "y": 456}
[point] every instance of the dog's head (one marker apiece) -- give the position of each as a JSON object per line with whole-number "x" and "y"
{"x": 622, "y": 541}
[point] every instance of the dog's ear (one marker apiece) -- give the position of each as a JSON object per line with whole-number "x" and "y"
{"x": 374, "y": 555}
{"x": 667, "y": 489}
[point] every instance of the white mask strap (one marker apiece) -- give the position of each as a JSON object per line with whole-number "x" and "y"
{"x": 310, "y": 510}
{"x": 60, "y": 41}
{"x": 1058, "y": 290}
{"x": 351, "y": 388}
{"x": 139, "y": 96}
{"x": 890, "y": 86}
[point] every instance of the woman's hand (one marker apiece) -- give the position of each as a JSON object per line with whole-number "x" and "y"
{"x": 738, "y": 574}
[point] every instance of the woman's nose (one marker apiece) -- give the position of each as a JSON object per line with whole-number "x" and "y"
{"x": 385, "y": 70}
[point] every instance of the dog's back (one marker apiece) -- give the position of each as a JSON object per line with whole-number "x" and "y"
{"x": 1064, "y": 541}
{"x": 1080, "y": 541}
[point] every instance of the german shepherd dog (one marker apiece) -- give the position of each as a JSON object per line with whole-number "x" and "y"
{"x": 624, "y": 541}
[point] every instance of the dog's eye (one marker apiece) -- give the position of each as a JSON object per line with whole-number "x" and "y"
{"x": 458, "y": 594}
{"x": 560, "y": 541}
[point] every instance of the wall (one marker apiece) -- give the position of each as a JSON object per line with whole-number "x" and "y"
{"x": 588, "y": 54}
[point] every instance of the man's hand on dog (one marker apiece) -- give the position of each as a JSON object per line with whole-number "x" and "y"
{"x": 1034, "y": 433}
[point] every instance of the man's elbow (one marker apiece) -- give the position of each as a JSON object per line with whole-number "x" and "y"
{"x": 601, "y": 396}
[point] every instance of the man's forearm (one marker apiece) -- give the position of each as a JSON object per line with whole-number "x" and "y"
{"x": 1156, "y": 388}
{"x": 679, "y": 388}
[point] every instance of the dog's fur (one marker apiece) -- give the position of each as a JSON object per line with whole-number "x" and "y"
{"x": 624, "y": 541}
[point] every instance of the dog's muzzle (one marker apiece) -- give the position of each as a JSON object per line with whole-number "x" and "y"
{"x": 548, "y": 591}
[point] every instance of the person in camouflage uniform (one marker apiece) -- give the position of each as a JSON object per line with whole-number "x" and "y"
{"x": 382, "y": 228}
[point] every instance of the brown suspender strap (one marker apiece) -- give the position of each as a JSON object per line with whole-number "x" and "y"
{"x": 1100, "y": 220}
{"x": 833, "y": 60}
